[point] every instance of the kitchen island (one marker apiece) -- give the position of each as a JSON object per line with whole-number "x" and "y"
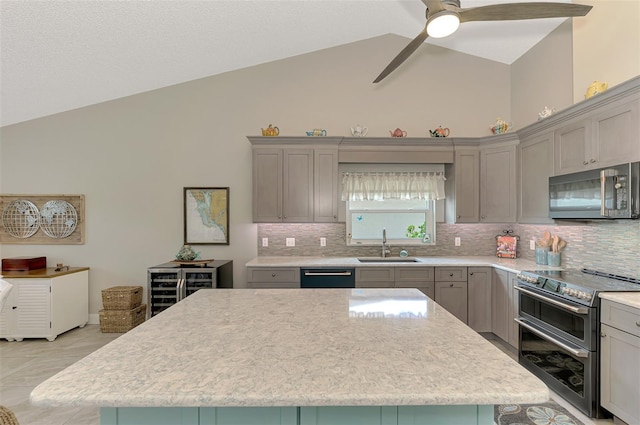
{"x": 296, "y": 356}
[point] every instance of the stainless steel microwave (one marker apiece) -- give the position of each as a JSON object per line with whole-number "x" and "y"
{"x": 606, "y": 193}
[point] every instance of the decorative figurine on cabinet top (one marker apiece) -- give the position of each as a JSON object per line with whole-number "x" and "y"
{"x": 500, "y": 126}
{"x": 440, "y": 132}
{"x": 398, "y": 133}
{"x": 359, "y": 130}
{"x": 271, "y": 131}
{"x": 595, "y": 88}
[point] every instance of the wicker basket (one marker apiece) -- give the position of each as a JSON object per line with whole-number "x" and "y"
{"x": 122, "y": 320}
{"x": 122, "y": 297}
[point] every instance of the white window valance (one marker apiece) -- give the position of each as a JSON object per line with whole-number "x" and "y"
{"x": 380, "y": 186}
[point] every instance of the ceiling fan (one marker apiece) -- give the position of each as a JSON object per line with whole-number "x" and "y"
{"x": 445, "y": 16}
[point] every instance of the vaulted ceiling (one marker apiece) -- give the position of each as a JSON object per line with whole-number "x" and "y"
{"x": 61, "y": 55}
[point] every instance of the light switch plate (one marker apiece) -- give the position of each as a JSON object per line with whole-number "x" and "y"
{"x": 323, "y": 241}
{"x": 457, "y": 241}
{"x": 291, "y": 242}
{"x": 532, "y": 244}
{"x": 265, "y": 242}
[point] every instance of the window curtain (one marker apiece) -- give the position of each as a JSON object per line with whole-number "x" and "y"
{"x": 381, "y": 186}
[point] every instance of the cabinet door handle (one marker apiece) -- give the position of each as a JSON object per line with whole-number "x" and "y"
{"x": 592, "y": 160}
{"x": 450, "y": 274}
{"x": 273, "y": 275}
{"x": 638, "y": 323}
{"x": 14, "y": 307}
{"x": 471, "y": 274}
{"x": 481, "y": 216}
{"x": 451, "y": 285}
{"x": 585, "y": 162}
{"x": 457, "y": 216}
{"x": 602, "y": 334}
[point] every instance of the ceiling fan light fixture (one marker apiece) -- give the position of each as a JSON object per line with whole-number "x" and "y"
{"x": 442, "y": 24}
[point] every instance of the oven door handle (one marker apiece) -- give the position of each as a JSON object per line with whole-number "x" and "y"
{"x": 571, "y": 308}
{"x": 541, "y": 334}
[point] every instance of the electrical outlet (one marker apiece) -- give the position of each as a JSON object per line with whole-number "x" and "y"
{"x": 265, "y": 242}
{"x": 532, "y": 244}
{"x": 457, "y": 241}
{"x": 291, "y": 242}
{"x": 323, "y": 241}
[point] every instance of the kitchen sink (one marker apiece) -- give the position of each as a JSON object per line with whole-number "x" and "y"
{"x": 388, "y": 260}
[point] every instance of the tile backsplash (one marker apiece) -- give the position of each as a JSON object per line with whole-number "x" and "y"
{"x": 609, "y": 246}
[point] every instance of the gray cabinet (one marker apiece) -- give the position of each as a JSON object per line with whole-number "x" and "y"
{"x": 606, "y": 136}
{"x": 620, "y": 360}
{"x": 325, "y": 185}
{"x": 479, "y": 298}
{"x": 375, "y": 277}
{"x": 514, "y": 305}
{"x": 535, "y": 166}
{"x": 282, "y": 185}
{"x": 498, "y": 184}
{"x": 451, "y": 290}
{"x": 273, "y": 277}
{"x": 463, "y": 188}
{"x": 416, "y": 277}
{"x": 500, "y": 304}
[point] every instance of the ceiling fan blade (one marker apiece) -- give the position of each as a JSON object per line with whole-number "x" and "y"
{"x": 403, "y": 55}
{"x": 518, "y": 11}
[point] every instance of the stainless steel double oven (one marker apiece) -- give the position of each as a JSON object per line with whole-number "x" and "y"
{"x": 559, "y": 331}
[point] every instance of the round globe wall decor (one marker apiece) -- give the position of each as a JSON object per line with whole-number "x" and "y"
{"x": 21, "y": 218}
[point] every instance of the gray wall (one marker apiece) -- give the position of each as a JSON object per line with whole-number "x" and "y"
{"x": 132, "y": 157}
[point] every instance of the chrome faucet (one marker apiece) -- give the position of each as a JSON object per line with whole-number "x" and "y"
{"x": 385, "y": 249}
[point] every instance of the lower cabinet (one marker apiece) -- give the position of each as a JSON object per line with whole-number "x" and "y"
{"x": 620, "y": 361}
{"x": 479, "y": 298}
{"x": 500, "y": 304}
{"x": 273, "y": 277}
{"x": 504, "y": 300}
{"x": 451, "y": 290}
{"x": 375, "y": 277}
{"x": 416, "y": 277}
{"x": 45, "y": 307}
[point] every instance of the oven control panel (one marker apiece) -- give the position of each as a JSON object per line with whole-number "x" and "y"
{"x": 553, "y": 286}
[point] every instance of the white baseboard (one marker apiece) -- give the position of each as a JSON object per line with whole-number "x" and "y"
{"x": 94, "y": 319}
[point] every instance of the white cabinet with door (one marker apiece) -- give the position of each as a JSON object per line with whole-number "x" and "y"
{"x": 479, "y": 298}
{"x": 45, "y": 303}
{"x": 620, "y": 360}
{"x": 451, "y": 290}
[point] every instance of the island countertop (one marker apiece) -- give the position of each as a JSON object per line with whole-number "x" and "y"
{"x": 296, "y": 347}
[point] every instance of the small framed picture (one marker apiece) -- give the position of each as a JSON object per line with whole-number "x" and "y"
{"x": 206, "y": 215}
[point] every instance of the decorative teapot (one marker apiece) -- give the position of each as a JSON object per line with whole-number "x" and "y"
{"x": 359, "y": 130}
{"x": 595, "y": 88}
{"x": 499, "y": 126}
{"x": 398, "y": 133}
{"x": 317, "y": 132}
{"x": 546, "y": 112}
{"x": 270, "y": 131}
{"x": 439, "y": 132}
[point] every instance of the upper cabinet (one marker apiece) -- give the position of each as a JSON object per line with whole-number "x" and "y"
{"x": 535, "y": 166}
{"x": 294, "y": 181}
{"x": 498, "y": 183}
{"x": 463, "y": 186}
{"x": 601, "y": 132}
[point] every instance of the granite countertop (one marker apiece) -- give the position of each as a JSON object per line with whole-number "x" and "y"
{"x": 632, "y": 299}
{"x": 296, "y": 347}
{"x": 512, "y": 265}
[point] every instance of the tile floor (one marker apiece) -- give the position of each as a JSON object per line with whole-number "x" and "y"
{"x": 23, "y": 365}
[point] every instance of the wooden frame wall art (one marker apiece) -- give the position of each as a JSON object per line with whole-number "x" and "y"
{"x": 206, "y": 216}
{"x": 42, "y": 219}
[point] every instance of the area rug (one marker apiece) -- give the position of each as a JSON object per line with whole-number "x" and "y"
{"x": 550, "y": 413}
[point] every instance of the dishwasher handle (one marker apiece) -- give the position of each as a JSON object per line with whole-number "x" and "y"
{"x": 311, "y": 273}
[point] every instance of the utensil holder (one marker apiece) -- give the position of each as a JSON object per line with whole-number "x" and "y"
{"x": 553, "y": 259}
{"x": 541, "y": 256}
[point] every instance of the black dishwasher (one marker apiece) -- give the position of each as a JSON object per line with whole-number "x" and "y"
{"x": 328, "y": 278}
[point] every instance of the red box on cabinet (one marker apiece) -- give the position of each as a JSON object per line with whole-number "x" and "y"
{"x": 23, "y": 263}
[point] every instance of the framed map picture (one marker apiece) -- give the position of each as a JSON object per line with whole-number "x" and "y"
{"x": 206, "y": 215}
